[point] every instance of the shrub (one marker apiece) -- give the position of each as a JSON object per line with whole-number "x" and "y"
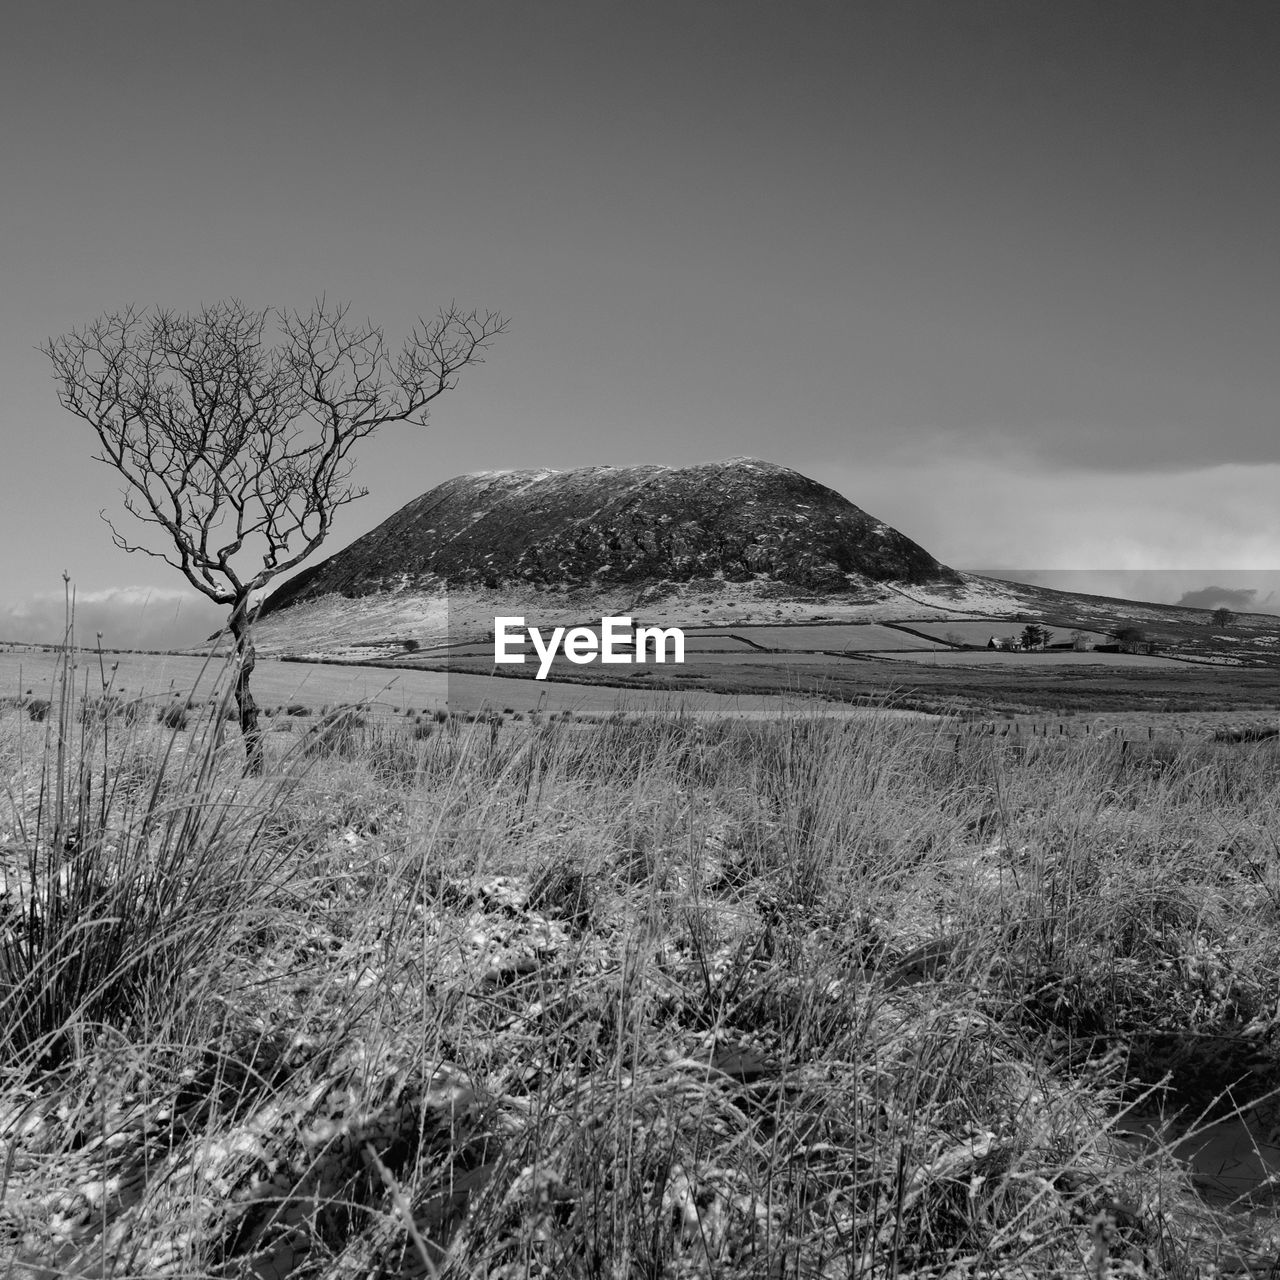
{"x": 393, "y": 756}
{"x": 38, "y": 708}
{"x": 105, "y": 707}
{"x": 174, "y": 716}
{"x": 338, "y": 733}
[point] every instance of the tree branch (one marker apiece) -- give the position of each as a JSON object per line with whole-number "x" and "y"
{"x": 233, "y": 445}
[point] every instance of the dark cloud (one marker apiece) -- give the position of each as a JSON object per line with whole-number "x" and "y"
{"x": 1243, "y": 600}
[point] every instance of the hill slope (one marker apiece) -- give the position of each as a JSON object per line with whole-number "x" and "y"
{"x": 741, "y": 542}
{"x": 741, "y": 521}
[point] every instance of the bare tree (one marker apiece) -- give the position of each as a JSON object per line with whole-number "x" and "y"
{"x": 1223, "y": 618}
{"x": 233, "y": 430}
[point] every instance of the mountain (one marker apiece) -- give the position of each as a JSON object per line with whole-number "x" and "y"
{"x": 741, "y": 542}
{"x": 740, "y": 521}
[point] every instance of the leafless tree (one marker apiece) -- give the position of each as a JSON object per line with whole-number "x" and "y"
{"x": 233, "y": 430}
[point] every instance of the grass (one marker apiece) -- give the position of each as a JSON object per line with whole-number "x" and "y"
{"x": 984, "y": 689}
{"x": 622, "y": 996}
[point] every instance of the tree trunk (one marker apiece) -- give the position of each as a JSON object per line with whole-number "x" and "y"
{"x": 245, "y": 660}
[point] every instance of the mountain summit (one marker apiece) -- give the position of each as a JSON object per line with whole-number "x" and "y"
{"x": 742, "y": 520}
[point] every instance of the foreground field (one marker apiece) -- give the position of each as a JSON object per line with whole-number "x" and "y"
{"x": 651, "y": 996}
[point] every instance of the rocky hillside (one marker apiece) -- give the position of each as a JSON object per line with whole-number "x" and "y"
{"x": 741, "y": 521}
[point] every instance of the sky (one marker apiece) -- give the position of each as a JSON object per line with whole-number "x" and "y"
{"x": 1004, "y": 274}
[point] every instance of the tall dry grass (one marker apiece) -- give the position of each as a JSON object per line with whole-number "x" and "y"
{"x": 635, "y": 997}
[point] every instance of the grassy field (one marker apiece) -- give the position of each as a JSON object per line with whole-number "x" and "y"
{"x": 969, "y": 632}
{"x": 840, "y": 662}
{"x": 163, "y": 677}
{"x": 721, "y": 643}
{"x": 650, "y": 995}
{"x": 854, "y": 637}
{"x": 383, "y": 692}
{"x": 975, "y": 690}
{"x": 1034, "y": 660}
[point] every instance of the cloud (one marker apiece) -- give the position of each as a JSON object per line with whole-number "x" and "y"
{"x": 128, "y": 617}
{"x": 1007, "y": 511}
{"x": 1242, "y": 600}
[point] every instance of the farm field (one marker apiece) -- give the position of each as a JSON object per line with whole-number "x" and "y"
{"x": 1033, "y": 660}
{"x": 781, "y": 660}
{"x": 471, "y": 693}
{"x": 979, "y": 683}
{"x": 1000, "y": 689}
{"x": 858, "y": 636}
{"x": 854, "y": 637}
{"x": 166, "y": 676}
{"x": 387, "y": 691}
{"x": 707, "y": 664}
{"x": 692, "y": 644}
{"x": 979, "y": 632}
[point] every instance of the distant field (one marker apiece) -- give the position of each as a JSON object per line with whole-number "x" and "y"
{"x": 982, "y": 683}
{"x": 711, "y": 665}
{"x": 981, "y": 631}
{"x": 471, "y": 692}
{"x": 389, "y": 690}
{"x": 694, "y": 663}
{"x": 726, "y": 643}
{"x": 754, "y": 658}
{"x": 745, "y": 643}
{"x": 729, "y": 643}
{"x": 1032, "y": 661}
{"x": 857, "y": 637}
{"x": 274, "y": 683}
